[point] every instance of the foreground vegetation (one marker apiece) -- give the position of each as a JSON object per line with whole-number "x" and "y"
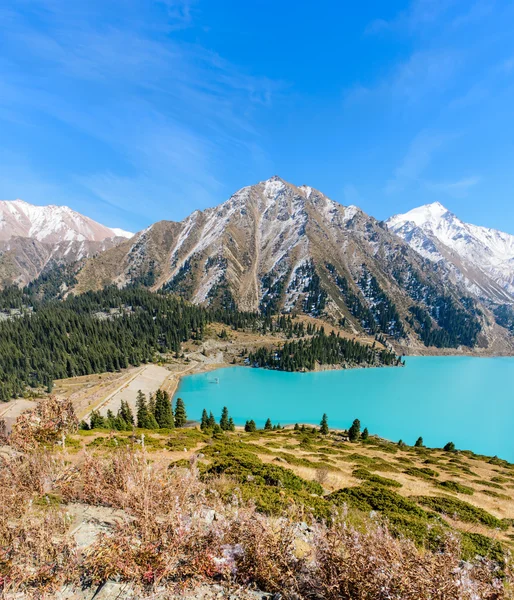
{"x": 259, "y": 510}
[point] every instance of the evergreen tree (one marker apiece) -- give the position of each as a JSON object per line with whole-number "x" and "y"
{"x": 231, "y": 424}
{"x": 125, "y": 412}
{"x": 324, "y": 425}
{"x": 84, "y": 425}
{"x": 204, "y": 424}
{"x": 365, "y": 434}
{"x": 211, "y": 421}
{"x": 268, "y": 426}
{"x": 96, "y": 420}
{"x": 151, "y": 403}
{"x": 401, "y": 443}
{"x": 145, "y": 419}
{"x": 250, "y": 426}
{"x": 180, "y": 413}
{"x": 449, "y": 447}
{"x": 110, "y": 420}
{"x": 224, "y": 419}
{"x": 355, "y": 431}
{"x": 296, "y": 427}
{"x": 419, "y": 443}
{"x": 163, "y": 410}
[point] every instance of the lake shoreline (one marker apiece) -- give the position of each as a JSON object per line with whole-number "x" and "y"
{"x": 438, "y": 398}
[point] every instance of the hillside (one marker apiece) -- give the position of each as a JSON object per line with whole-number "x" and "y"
{"x": 275, "y": 247}
{"x": 479, "y": 257}
{"x": 33, "y": 239}
{"x": 179, "y": 513}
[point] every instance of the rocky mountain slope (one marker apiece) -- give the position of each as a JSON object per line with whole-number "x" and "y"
{"x": 481, "y": 258}
{"x": 32, "y": 238}
{"x": 275, "y": 247}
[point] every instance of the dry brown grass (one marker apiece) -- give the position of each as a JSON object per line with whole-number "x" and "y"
{"x": 174, "y": 529}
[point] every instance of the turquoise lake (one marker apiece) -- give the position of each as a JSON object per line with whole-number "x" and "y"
{"x": 469, "y": 401}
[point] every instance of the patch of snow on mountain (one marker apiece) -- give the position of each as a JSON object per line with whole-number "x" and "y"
{"x": 475, "y": 252}
{"x": 121, "y": 232}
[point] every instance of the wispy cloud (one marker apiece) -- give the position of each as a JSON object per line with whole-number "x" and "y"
{"x": 162, "y": 109}
{"x": 422, "y": 73}
{"x": 417, "y": 159}
{"x": 411, "y": 173}
{"x": 457, "y": 189}
{"x": 420, "y": 13}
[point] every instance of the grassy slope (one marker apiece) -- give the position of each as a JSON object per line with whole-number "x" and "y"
{"x": 408, "y": 486}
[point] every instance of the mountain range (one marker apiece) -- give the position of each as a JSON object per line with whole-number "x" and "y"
{"x": 481, "y": 258}
{"x": 33, "y": 238}
{"x": 423, "y": 279}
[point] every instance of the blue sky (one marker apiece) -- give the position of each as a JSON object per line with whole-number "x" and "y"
{"x": 132, "y": 111}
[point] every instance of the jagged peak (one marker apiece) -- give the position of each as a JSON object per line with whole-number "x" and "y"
{"x": 430, "y": 214}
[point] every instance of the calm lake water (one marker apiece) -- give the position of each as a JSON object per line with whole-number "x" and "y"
{"x": 469, "y": 401}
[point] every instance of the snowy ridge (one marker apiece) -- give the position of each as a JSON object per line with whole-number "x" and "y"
{"x": 51, "y": 224}
{"x": 482, "y": 258}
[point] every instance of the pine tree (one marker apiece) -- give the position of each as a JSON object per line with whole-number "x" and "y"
{"x": 250, "y": 426}
{"x": 296, "y": 427}
{"x": 96, "y": 420}
{"x": 231, "y": 424}
{"x": 125, "y": 412}
{"x": 419, "y": 443}
{"x": 151, "y": 403}
{"x": 205, "y": 421}
{"x": 401, "y": 443}
{"x": 354, "y": 431}
{"x": 268, "y": 426}
{"x": 365, "y": 434}
{"x": 110, "y": 420}
{"x": 163, "y": 411}
{"x": 324, "y": 425}
{"x": 224, "y": 419}
{"x": 449, "y": 447}
{"x": 180, "y": 413}
{"x": 211, "y": 421}
{"x": 143, "y": 415}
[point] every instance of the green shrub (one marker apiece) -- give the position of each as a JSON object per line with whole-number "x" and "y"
{"x": 454, "y": 486}
{"x": 366, "y": 475}
{"x": 488, "y": 483}
{"x": 404, "y": 516}
{"x": 494, "y": 494}
{"x": 461, "y": 510}
{"x": 230, "y": 459}
{"x": 476, "y": 544}
{"x": 421, "y": 472}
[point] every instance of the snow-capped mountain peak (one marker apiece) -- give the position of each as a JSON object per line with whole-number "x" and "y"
{"x": 428, "y": 214}
{"x": 481, "y": 257}
{"x": 50, "y": 224}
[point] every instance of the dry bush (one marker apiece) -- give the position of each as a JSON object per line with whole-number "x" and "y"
{"x": 174, "y": 529}
{"x": 372, "y": 564}
{"x": 3, "y": 432}
{"x": 36, "y": 552}
{"x": 322, "y": 475}
{"x": 169, "y": 532}
{"x": 44, "y": 425}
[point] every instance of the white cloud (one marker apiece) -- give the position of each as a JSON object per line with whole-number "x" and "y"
{"x": 423, "y": 74}
{"x": 457, "y": 189}
{"x": 416, "y": 160}
{"x": 419, "y": 14}
{"x": 161, "y": 109}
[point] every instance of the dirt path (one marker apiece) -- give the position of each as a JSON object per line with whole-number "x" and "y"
{"x": 10, "y": 411}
